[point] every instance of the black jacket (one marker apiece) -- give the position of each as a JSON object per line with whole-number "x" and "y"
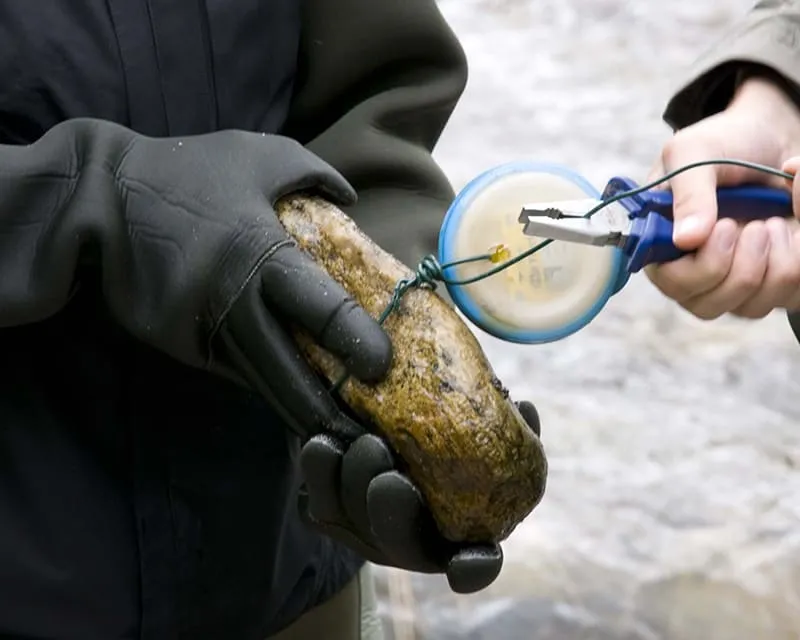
{"x": 140, "y": 498}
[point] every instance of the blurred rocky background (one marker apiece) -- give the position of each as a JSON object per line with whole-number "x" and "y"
{"x": 673, "y": 503}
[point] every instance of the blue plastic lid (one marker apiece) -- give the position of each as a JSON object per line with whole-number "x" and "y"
{"x": 545, "y": 297}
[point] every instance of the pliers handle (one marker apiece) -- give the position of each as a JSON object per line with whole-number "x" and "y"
{"x": 650, "y": 237}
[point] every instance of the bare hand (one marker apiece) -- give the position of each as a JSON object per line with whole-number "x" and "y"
{"x": 744, "y": 269}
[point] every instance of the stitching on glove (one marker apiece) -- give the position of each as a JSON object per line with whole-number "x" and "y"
{"x": 268, "y": 253}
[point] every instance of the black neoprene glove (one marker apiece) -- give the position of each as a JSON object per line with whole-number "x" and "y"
{"x": 181, "y": 235}
{"x": 182, "y": 238}
{"x": 358, "y": 495}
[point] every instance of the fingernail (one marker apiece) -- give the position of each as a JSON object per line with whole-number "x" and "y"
{"x": 790, "y": 166}
{"x": 687, "y": 227}
{"x": 726, "y": 236}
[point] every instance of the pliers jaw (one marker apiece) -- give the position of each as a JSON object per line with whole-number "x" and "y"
{"x": 558, "y": 209}
{"x": 567, "y": 221}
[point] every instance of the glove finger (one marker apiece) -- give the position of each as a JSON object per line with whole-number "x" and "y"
{"x": 403, "y": 526}
{"x": 267, "y": 358}
{"x": 366, "y": 458}
{"x": 301, "y": 291}
{"x": 321, "y": 468}
{"x": 345, "y": 537}
{"x": 474, "y": 568}
{"x": 320, "y": 503}
{"x": 338, "y": 533}
{"x": 405, "y": 530}
{"x": 531, "y": 415}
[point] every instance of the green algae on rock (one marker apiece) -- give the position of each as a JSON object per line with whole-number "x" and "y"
{"x": 480, "y": 467}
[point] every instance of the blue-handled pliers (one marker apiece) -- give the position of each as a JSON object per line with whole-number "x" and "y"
{"x": 641, "y": 225}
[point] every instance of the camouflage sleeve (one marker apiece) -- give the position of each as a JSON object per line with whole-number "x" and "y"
{"x": 766, "y": 41}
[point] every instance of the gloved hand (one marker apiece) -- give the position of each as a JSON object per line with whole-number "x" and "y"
{"x": 354, "y": 493}
{"x": 181, "y": 237}
{"x": 264, "y": 281}
{"x": 357, "y": 495}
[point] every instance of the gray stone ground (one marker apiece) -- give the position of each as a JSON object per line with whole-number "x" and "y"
{"x": 673, "y": 504}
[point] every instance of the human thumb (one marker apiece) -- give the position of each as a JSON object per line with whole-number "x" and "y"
{"x": 694, "y": 191}
{"x": 791, "y": 166}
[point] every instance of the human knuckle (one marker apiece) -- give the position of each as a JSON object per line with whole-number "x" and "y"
{"x": 674, "y": 145}
{"x": 754, "y": 313}
{"x": 707, "y": 315}
{"x": 784, "y": 280}
{"x": 660, "y": 280}
{"x": 747, "y": 280}
{"x": 787, "y": 276}
{"x": 753, "y": 309}
{"x": 707, "y": 275}
{"x": 674, "y": 280}
{"x": 714, "y": 272}
{"x": 670, "y": 287}
{"x": 682, "y": 199}
{"x": 703, "y": 312}
{"x": 668, "y": 153}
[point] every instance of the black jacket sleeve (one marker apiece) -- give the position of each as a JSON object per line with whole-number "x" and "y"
{"x": 55, "y": 197}
{"x": 378, "y": 82}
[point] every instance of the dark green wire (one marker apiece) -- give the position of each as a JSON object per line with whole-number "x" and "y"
{"x": 429, "y": 271}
